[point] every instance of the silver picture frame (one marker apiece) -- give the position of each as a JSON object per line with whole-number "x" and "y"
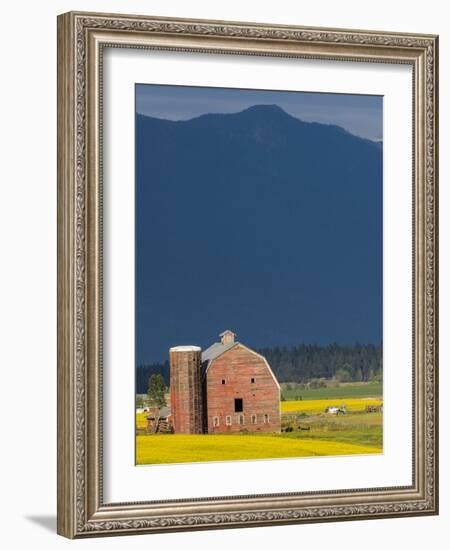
{"x": 82, "y": 38}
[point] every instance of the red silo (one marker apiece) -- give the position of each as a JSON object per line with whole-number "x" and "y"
{"x": 186, "y": 389}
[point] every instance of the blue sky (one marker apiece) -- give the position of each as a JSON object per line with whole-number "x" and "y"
{"x": 358, "y": 114}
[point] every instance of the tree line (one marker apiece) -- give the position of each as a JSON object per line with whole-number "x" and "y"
{"x": 301, "y": 364}
{"x": 357, "y": 363}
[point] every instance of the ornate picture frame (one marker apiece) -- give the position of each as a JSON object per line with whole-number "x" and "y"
{"x": 82, "y": 40}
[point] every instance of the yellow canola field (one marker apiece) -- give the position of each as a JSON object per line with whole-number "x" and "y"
{"x": 141, "y": 420}
{"x": 315, "y": 406}
{"x": 165, "y": 449}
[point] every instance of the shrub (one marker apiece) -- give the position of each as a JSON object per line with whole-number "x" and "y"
{"x": 343, "y": 375}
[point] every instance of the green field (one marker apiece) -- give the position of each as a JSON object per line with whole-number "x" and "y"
{"x": 367, "y": 389}
{"x": 365, "y": 429}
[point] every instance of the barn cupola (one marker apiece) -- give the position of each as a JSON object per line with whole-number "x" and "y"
{"x": 227, "y": 337}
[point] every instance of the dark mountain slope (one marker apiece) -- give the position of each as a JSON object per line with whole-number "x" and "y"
{"x": 257, "y": 222}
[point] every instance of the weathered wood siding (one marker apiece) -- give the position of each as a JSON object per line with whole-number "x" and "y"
{"x": 261, "y": 398}
{"x": 185, "y": 391}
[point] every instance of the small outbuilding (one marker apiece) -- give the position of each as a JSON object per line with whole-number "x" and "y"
{"x": 159, "y": 421}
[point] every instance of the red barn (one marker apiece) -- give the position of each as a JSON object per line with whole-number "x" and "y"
{"x": 239, "y": 391}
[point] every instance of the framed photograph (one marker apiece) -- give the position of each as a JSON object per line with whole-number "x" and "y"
{"x": 247, "y": 274}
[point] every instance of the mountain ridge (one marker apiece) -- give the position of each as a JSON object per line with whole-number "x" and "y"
{"x": 258, "y": 222}
{"x": 255, "y": 108}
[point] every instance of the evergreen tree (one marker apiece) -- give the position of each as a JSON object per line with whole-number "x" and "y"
{"x": 157, "y": 391}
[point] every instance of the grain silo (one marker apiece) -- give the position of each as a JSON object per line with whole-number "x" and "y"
{"x": 186, "y": 389}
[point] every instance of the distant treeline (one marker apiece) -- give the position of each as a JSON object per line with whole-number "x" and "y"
{"x": 358, "y": 363}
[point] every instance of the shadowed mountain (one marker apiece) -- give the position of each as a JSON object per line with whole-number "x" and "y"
{"x": 258, "y": 222}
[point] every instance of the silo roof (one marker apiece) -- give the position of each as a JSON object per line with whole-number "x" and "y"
{"x": 186, "y": 348}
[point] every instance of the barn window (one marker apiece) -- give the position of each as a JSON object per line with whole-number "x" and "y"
{"x": 223, "y": 380}
{"x": 228, "y": 420}
{"x": 215, "y": 420}
{"x": 266, "y": 419}
{"x": 253, "y": 418}
{"x": 253, "y": 380}
{"x": 238, "y": 405}
{"x": 241, "y": 419}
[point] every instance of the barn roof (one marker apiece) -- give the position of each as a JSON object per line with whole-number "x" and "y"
{"x": 215, "y": 350}
{"x": 218, "y": 348}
